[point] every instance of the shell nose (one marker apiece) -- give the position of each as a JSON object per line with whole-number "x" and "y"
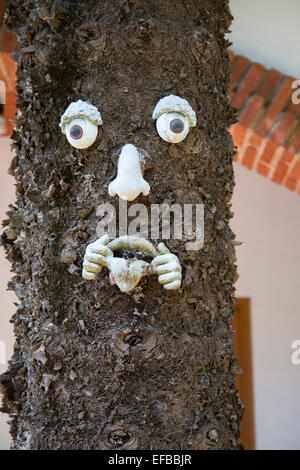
{"x": 129, "y": 182}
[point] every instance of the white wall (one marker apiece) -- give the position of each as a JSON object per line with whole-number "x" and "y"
{"x": 6, "y": 297}
{"x": 267, "y": 31}
{"x": 267, "y": 219}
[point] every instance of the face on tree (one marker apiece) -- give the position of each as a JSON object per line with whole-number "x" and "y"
{"x": 97, "y": 366}
{"x": 174, "y": 117}
{"x": 144, "y": 69}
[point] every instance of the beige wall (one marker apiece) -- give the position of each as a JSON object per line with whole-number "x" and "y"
{"x": 267, "y": 220}
{"x": 267, "y": 31}
{"x": 6, "y": 297}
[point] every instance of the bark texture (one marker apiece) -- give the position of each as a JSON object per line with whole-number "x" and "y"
{"x": 95, "y": 368}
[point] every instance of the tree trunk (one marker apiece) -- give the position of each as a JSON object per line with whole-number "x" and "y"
{"x": 95, "y": 368}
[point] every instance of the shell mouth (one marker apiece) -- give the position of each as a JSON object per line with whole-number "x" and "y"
{"x": 126, "y": 274}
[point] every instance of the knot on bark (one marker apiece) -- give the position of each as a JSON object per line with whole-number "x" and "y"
{"x": 120, "y": 438}
{"x": 136, "y": 343}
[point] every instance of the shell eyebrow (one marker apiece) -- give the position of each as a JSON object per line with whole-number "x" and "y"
{"x": 80, "y": 109}
{"x": 173, "y": 103}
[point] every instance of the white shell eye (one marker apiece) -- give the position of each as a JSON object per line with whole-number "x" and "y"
{"x": 81, "y": 132}
{"x": 172, "y": 127}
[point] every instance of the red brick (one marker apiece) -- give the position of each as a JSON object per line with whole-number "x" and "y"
{"x": 290, "y": 183}
{"x": 295, "y": 173}
{"x": 10, "y": 106}
{"x": 247, "y": 85}
{"x": 268, "y": 152}
{"x": 255, "y": 140}
{"x": 240, "y": 66}
{"x": 8, "y": 71}
{"x": 294, "y": 107}
{"x": 278, "y": 102}
{"x": 282, "y": 128}
{"x": 253, "y": 105}
{"x": 280, "y": 172}
{"x": 269, "y": 83}
{"x": 238, "y": 134}
{"x": 293, "y": 144}
{"x": 2, "y": 77}
{"x": 263, "y": 169}
{"x": 7, "y": 40}
{"x": 249, "y": 157}
{"x": 287, "y": 157}
{"x": 9, "y": 111}
{"x": 231, "y": 54}
{"x": 11, "y": 71}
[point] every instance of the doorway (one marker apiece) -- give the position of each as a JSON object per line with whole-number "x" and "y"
{"x": 244, "y": 383}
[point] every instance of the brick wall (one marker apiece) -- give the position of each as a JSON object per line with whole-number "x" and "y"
{"x": 7, "y": 72}
{"x": 267, "y": 135}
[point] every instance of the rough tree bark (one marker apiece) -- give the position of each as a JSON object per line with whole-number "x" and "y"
{"x": 95, "y": 368}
